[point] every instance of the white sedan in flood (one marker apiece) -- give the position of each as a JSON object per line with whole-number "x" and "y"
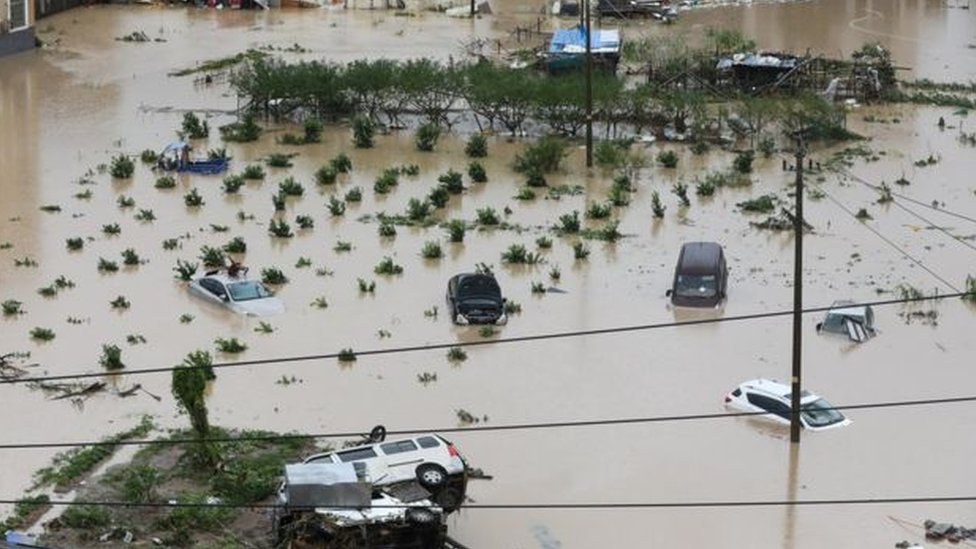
{"x": 772, "y": 399}
{"x": 239, "y": 294}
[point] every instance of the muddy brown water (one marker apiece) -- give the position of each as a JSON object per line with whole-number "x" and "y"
{"x": 68, "y": 109}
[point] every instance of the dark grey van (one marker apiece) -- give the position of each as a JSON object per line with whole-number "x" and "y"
{"x": 701, "y": 276}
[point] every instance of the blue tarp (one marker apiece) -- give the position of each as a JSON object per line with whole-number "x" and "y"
{"x": 574, "y": 40}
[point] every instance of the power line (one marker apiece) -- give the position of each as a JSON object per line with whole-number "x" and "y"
{"x": 522, "y": 506}
{"x": 910, "y": 199}
{"x": 481, "y": 428}
{"x": 919, "y": 216}
{"x": 890, "y": 243}
{"x": 515, "y": 339}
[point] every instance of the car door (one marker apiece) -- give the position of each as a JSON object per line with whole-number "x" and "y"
{"x": 214, "y": 289}
{"x": 776, "y": 409}
{"x": 402, "y": 458}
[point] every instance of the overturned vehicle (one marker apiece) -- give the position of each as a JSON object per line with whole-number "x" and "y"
{"x": 849, "y": 319}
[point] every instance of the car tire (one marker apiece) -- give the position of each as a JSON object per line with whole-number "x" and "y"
{"x": 377, "y": 434}
{"x": 421, "y": 517}
{"x": 431, "y": 476}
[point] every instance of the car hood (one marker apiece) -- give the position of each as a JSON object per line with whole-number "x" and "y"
{"x": 479, "y": 302}
{"x": 259, "y": 307}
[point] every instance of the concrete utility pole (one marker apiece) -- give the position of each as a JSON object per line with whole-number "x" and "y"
{"x": 797, "y": 297}
{"x": 589, "y": 89}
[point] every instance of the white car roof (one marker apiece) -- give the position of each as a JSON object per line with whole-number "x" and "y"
{"x": 779, "y": 389}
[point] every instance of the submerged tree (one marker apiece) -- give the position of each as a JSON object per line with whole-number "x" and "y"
{"x": 188, "y": 386}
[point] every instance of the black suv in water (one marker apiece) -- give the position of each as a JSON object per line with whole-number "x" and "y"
{"x": 701, "y": 276}
{"x": 475, "y": 298}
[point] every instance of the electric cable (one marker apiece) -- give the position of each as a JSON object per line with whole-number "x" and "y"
{"x": 892, "y": 244}
{"x": 910, "y": 199}
{"x": 477, "y": 429}
{"x": 499, "y": 341}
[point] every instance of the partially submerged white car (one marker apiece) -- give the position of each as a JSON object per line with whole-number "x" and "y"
{"x": 774, "y": 398}
{"x": 237, "y": 293}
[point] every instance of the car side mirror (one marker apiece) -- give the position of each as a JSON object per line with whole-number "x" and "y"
{"x": 223, "y": 297}
{"x": 668, "y": 293}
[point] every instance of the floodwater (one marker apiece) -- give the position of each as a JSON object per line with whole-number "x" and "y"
{"x": 68, "y": 109}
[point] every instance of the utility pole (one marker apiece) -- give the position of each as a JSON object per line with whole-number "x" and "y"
{"x": 589, "y": 89}
{"x": 797, "y": 297}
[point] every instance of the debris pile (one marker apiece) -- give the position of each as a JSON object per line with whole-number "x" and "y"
{"x": 946, "y": 531}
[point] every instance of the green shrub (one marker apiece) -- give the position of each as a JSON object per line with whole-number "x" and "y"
{"x": 130, "y": 257}
{"x": 477, "y": 172}
{"x": 86, "y": 517}
{"x": 569, "y": 223}
{"x": 193, "y": 199}
{"x": 273, "y": 276}
{"x": 518, "y": 254}
{"x": 743, "y": 161}
{"x": 488, "y": 216}
{"x": 111, "y": 358}
{"x": 313, "y": 130}
{"x": 42, "y": 334}
{"x": 326, "y": 175}
{"x": 354, "y": 194}
{"x": 362, "y": 132}
{"x": 212, "y": 258}
{"x": 543, "y": 156}
{"x": 107, "y": 266}
{"x": 122, "y": 201}
{"x": 236, "y": 245}
{"x": 681, "y": 191}
{"x": 233, "y": 183}
{"x": 230, "y": 346}
{"x": 431, "y": 250}
{"x": 336, "y": 206}
{"x": 253, "y": 171}
{"x": 597, "y": 210}
{"x": 387, "y": 267}
{"x": 762, "y": 204}
{"x": 122, "y": 167}
{"x": 668, "y": 159}
{"x": 139, "y": 484}
{"x": 580, "y": 251}
{"x": 439, "y": 196}
{"x": 387, "y": 229}
{"x": 304, "y": 222}
{"x": 148, "y": 156}
{"x": 341, "y": 163}
{"x": 426, "y": 136}
{"x": 477, "y": 146}
{"x": 280, "y": 228}
{"x": 452, "y": 181}
{"x": 278, "y": 160}
{"x": 185, "y": 270}
{"x": 418, "y": 210}
{"x": 656, "y": 206}
{"x": 455, "y": 230}
{"x": 75, "y": 244}
{"x": 193, "y": 128}
{"x": 243, "y": 131}
{"x": 290, "y": 187}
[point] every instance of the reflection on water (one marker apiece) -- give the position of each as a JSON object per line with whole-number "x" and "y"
{"x": 64, "y": 112}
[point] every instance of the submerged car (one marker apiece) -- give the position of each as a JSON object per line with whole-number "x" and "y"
{"x": 475, "y": 298}
{"x": 700, "y": 277}
{"x": 774, "y": 398}
{"x": 335, "y": 505}
{"x": 237, "y": 293}
{"x": 847, "y": 318}
{"x": 430, "y": 460}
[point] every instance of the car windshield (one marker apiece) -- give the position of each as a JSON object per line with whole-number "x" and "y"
{"x": 696, "y": 286}
{"x": 820, "y": 413}
{"x": 478, "y": 286}
{"x": 248, "y": 290}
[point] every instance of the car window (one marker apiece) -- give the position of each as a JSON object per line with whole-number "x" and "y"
{"x": 250, "y": 289}
{"x": 212, "y": 286}
{"x": 478, "y": 285}
{"x": 321, "y": 459}
{"x": 696, "y": 285}
{"x": 428, "y": 442}
{"x": 820, "y": 413}
{"x": 398, "y": 447}
{"x": 770, "y": 405}
{"x": 357, "y": 454}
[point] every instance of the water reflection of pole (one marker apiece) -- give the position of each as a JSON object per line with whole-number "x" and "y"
{"x": 589, "y": 89}
{"x": 797, "y": 297}
{"x": 792, "y": 479}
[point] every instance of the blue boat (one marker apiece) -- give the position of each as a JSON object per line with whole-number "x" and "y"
{"x": 176, "y": 158}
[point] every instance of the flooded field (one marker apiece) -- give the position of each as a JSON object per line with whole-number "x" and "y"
{"x": 70, "y": 108}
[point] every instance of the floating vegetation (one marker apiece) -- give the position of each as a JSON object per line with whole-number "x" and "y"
{"x": 264, "y": 328}
{"x": 762, "y": 204}
{"x": 303, "y": 263}
{"x": 342, "y": 246}
{"x": 50, "y": 208}
{"x": 186, "y": 318}
{"x": 75, "y": 244}
{"x": 525, "y": 193}
{"x": 426, "y": 378}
